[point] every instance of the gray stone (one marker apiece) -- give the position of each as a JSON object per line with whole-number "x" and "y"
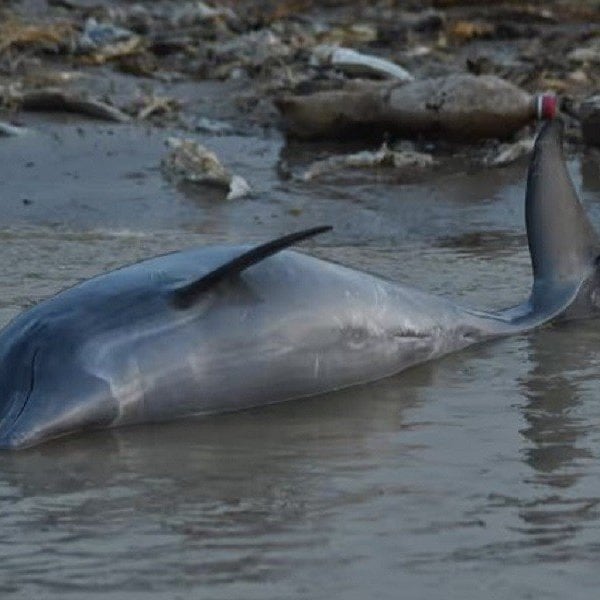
{"x": 589, "y": 114}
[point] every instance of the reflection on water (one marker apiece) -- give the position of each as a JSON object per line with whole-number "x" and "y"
{"x": 220, "y": 500}
{"x": 561, "y": 363}
{"x": 563, "y": 360}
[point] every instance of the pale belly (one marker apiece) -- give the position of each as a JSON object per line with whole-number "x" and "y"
{"x": 267, "y": 339}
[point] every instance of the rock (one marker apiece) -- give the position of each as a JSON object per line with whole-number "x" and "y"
{"x": 356, "y": 33}
{"x": 589, "y": 54}
{"x": 198, "y": 13}
{"x": 589, "y": 113}
{"x": 463, "y": 31}
{"x": 44, "y": 37}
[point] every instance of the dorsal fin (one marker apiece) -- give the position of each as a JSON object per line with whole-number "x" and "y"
{"x": 184, "y": 296}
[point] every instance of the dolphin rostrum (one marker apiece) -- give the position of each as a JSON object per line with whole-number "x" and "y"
{"x": 224, "y": 328}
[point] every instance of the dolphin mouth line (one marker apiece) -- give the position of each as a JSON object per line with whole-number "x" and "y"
{"x": 28, "y": 394}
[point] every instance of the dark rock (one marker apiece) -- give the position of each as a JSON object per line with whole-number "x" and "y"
{"x": 589, "y": 114}
{"x": 430, "y": 21}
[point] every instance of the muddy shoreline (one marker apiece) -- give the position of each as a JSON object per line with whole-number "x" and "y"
{"x": 212, "y": 72}
{"x": 218, "y": 68}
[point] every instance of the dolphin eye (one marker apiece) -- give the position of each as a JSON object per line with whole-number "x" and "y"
{"x": 597, "y": 261}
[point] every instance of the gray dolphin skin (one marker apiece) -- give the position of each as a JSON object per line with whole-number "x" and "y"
{"x": 224, "y": 328}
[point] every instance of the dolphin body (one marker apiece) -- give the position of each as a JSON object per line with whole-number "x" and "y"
{"x": 225, "y": 328}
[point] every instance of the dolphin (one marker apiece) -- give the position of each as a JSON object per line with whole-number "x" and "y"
{"x": 225, "y": 328}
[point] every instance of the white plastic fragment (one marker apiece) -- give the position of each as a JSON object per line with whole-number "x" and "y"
{"x": 6, "y": 129}
{"x": 509, "y": 153}
{"x": 97, "y": 35}
{"x": 384, "y": 157}
{"x": 354, "y": 63}
{"x": 212, "y": 126}
{"x": 193, "y": 162}
{"x": 238, "y": 188}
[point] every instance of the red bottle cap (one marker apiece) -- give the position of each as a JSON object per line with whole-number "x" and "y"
{"x": 546, "y": 106}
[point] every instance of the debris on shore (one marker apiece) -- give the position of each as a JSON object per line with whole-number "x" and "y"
{"x": 192, "y": 162}
{"x": 54, "y": 99}
{"x": 18, "y": 36}
{"x": 459, "y": 107}
{"x": 101, "y": 42}
{"x": 508, "y": 153}
{"x": 326, "y": 70}
{"x": 357, "y": 64}
{"x": 149, "y": 106}
{"x": 367, "y": 159}
{"x": 7, "y": 129}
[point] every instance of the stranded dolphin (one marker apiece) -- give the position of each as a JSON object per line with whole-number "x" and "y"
{"x": 225, "y": 328}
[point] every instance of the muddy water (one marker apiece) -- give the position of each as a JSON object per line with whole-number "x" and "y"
{"x": 475, "y": 476}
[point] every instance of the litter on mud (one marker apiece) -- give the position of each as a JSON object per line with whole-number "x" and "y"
{"x": 7, "y": 129}
{"x": 459, "y": 107}
{"x": 192, "y": 162}
{"x": 354, "y": 63}
{"x": 54, "y": 99}
{"x": 384, "y": 157}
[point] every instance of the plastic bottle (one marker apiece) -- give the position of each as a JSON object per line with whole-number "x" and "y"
{"x": 457, "y": 107}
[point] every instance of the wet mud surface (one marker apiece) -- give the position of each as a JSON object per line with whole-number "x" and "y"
{"x": 475, "y": 476}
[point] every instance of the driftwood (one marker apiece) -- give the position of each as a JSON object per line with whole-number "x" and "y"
{"x": 53, "y": 99}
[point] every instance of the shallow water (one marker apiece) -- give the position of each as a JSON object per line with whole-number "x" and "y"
{"x": 474, "y": 476}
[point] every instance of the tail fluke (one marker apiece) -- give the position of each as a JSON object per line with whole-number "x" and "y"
{"x": 562, "y": 241}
